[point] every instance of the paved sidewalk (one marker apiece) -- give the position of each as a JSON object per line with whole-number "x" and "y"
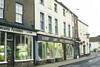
{"x": 69, "y": 61}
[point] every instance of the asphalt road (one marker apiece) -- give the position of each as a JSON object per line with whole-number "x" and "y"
{"x": 95, "y": 62}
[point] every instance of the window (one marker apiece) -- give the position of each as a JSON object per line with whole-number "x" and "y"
{"x": 42, "y": 2}
{"x": 50, "y": 24}
{"x": 55, "y": 7}
{"x": 63, "y": 12}
{"x": 42, "y": 50}
{"x": 1, "y": 8}
{"x": 19, "y": 12}
{"x": 69, "y": 31}
{"x": 64, "y": 29}
{"x": 42, "y": 21}
{"x": 2, "y": 46}
{"x": 23, "y": 47}
{"x": 56, "y": 26}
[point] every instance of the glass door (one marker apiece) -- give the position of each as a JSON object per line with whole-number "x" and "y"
{"x": 10, "y": 49}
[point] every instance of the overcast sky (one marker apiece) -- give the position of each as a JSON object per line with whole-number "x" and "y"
{"x": 89, "y": 13}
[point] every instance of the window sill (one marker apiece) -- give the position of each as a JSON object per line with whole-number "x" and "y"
{"x": 4, "y": 62}
{"x": 24, "y": 60}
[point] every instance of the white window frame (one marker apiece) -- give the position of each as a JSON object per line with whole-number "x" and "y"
{"x": 56, "y": 26}
{"x": 42, "y": 22}
{"x": 50, "y": 24}
{"x": 19, "y": 12}
{"x": 1, "y": 8}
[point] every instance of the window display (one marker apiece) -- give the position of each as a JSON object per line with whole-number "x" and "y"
{"x": 50, "y": 50}
{"x": 2, "y": 46}
{"x": 23, "y": 47}
{"x": 58, "y": 50}
{"x": 42, "y": 50}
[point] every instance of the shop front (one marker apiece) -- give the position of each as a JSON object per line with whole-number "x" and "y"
{"x": 49, "y": 49}
{"x": 16, "y": 47}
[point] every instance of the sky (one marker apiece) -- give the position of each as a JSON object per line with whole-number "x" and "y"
{"x": 89, "y": 13}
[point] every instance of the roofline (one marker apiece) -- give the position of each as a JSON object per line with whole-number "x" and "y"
{"x": 83, "y": 22}
{"x": 66, "y": 7}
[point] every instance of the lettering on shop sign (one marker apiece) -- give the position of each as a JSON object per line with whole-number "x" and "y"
{"x": 66, "y": 41}
{"x": 17, "y": 30}
{"x": 4, "y": 28}
{"x": 61, "y": 40}
{"x": 45, "y": 38}
{"x": 55, "y": 39}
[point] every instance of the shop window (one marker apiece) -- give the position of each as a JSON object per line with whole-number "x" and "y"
{"x": 42, "y": 50}
{"x": 58, "y": 50}
{"x": 23, "y": 47}
{"x": 2, "y": 46}
{"x": 1, "y": 8}
{"x": 50, "y": 50}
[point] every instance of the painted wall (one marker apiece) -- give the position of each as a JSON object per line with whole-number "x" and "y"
{"x": 82, "y": 31}
{"x": 48, "y": 10}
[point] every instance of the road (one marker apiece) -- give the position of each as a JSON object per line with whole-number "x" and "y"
{"x": 95, "y": 62}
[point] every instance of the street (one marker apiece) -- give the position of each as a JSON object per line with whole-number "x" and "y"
{"x": 95, "y": 62}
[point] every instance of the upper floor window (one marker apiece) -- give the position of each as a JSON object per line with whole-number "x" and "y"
{"x": 63, "y": 12}
{"x": 64, "y": 28}
{"x": 69, "y": 31}
{"x": 56, "y": 26}
{"x": 42, "y": 2}
{"x": 50, "y": 24}
{"x": 19, "y": 13}
{"x": 1, "y": 8}
{"x": 55, "y": 7}
{"x": 42, "y": 21}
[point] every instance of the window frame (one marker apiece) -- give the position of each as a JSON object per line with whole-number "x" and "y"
{"x": 20, "y": 14}
{"x": 69, "y": 30}
{"x": 50, "y": 24}
{"x": 56, "y": 26}
{"x": 2, "y": 9}
{"x": 42, "y": 2}
{"x": 55, "y": 7}
{"x": 64, "y": 14}
{"x": 42, "y": 21}
{"x": 20, "y": 37}
{"x": 64, "y": 30}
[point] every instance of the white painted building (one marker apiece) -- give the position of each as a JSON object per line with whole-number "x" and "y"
{"x": 54, "y": 22}
{"x": 95, "y": 43}
{"x": 84, "y": 37}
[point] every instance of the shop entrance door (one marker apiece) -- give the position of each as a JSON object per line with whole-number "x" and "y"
{"x": 10, "y": 50}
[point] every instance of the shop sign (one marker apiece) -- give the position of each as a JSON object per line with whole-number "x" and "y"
{"x": 15, "y": 30}
{"x": 47, "y": 38}
{"x": 53, "y": 39}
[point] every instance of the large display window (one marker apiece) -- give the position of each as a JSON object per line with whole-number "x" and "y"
{"x": 49, "y": 50}
{"x": 58, "y": 50}
{"x": 2, "y": 46}
{"x": 69, "y": 51}
{"x": 42, "y": 50}
{"x": 23, "y": 48}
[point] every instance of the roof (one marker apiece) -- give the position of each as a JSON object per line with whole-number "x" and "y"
{"x": 82, "y": 22}
{"x": 65, "y": 7}
{"x": 95, "y": 39}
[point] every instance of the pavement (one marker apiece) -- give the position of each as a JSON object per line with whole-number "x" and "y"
{"x": 57, "y": 64}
